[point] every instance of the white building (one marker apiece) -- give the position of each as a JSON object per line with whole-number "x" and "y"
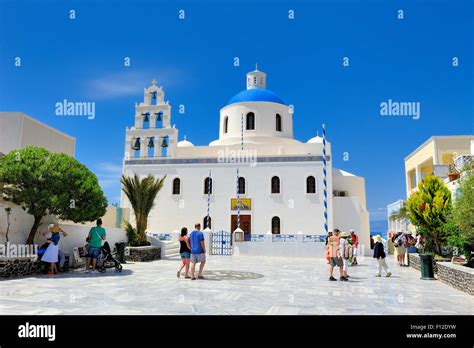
{"x": 280, "y": 178}
{"x": 18, "y": 130}
{"x": 395, "y": 226}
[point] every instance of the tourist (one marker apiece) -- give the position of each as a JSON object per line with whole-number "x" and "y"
{"x": 198, "y": 251}
{"x": 335, "y": 259}
{"x": 185, "y": 252}
{"x": 399, "y": 241}
{"x": 327, "y": 237}
{"x": 61, "y": 256}
{"x": 345, "y": 250}
{"x": 51, "y": 253}
{"x": 326, "y": 254}
{"x": 419, "y": 242}
{"x": 355, "y": 245}
{"x": 379, "y": 255}
{"x": 96, "y": 236}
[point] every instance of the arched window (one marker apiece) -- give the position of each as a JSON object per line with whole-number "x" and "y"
{"x": 278, "y": 122}
{"x": 310, "y": 184}
{"x": 226, "y": 123}
{"x": 275, "y": 184}
{"x": 250, "y": 121}
{"x": 241, "y": 186}
{"x": 208, "y": 186}
{"x": 176, "y": 186}
{"x": 207, "y": 222}
{"x": 275, "y": 225}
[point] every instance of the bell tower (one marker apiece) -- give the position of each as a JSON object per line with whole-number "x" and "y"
{"x": 256, "y": 79}
{"x": 152, "y": 135}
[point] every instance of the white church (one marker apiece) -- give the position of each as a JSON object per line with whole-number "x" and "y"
{"x": 280, "y": 179}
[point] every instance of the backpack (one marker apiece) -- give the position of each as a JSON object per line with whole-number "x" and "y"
{"x": 347, "y": 251}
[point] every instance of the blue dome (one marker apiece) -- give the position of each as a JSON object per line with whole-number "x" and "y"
{"x": 255, "y": 95}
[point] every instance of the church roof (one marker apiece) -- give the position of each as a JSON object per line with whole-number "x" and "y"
{"x": 316, "y": 140}
{"x": 185, "y": 143}
{"x": 256, "y": 95}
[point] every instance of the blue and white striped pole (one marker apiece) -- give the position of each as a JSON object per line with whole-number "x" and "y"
{"x": 325, "y": 182}
{"x": 209, "y": 188}
{"x": 242, "y": 149}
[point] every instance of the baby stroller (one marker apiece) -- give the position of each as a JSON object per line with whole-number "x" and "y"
{"x": 106, "y": 259}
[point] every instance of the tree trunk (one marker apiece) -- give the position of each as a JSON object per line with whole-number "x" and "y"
{"x": 34, "y": 228}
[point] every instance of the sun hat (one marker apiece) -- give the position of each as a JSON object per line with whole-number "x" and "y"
{"x": 344, "y": 235}
{"x": 378, "y": 238}
{"x": 54, "y": 228}
{"x": 351, "y": 230}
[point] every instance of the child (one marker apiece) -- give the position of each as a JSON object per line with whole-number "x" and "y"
{"x": 51, "y": 253}
{"x": 379, "y": 255}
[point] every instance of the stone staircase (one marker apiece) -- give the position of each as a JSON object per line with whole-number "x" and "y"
{"x": 169, "y": 248}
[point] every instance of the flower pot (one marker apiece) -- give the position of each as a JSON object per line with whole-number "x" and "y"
{"x": 426, "y": 267}
{"x": 453, "y": 176}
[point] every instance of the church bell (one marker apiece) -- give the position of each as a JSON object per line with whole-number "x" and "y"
{"x": 164, "y": 143}
{"x": 151, "y": 143}
{"x": 136, "y": 146}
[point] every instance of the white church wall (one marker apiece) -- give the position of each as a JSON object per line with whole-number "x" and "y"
{"x": 349, "y": 214}
{"x": 297, "y": 210}
{"x": 265, "y": 120}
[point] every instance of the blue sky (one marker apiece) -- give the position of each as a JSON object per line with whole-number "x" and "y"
{"x": 402, "y": 60}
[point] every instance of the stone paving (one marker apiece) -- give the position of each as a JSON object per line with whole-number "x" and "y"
{"x": 234, "y": 285}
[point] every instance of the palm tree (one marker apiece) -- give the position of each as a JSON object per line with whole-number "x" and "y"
{"x": 142, "y": 194}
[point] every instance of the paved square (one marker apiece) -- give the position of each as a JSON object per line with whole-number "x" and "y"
{"x": 234, "y": 285}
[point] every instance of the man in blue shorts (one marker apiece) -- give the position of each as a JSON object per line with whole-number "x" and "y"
{"x": 198, "y": 251}
{"x": 96, "y": 236}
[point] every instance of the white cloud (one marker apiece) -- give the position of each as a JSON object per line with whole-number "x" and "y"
{"x": 108, "y": 174}
{"x": 130, "y": 83}
{"x": 378, "y": 214}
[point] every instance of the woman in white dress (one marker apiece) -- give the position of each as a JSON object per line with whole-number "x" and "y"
{"x": 51, "y": 253}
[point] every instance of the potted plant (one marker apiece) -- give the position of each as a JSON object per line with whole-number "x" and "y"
{"x": 453, "y": 173}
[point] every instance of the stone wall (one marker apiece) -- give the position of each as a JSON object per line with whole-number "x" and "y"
{"x": 414, "y": 261}
{"x": 141, "y": 254}
{"x": 13, "y": 268}
{"x": 456, "y": 276}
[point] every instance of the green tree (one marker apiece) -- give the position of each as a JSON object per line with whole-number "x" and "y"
{"x": 462, "y": 221}
{"x": 43, "y": 183}
{"x": 429, "y": 208}
{"x": 400, "y": 215}
{"x": 141, "y": 194}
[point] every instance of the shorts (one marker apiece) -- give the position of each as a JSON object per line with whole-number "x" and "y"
{"x": 185, "y": 255}
{"x": 335, "y": 261}
{"x": 197, "y": 258}
{"x": 401, "y": 249}
{"x": 93, "y": 252}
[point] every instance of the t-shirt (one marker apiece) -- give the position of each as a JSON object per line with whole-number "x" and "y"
{"x": 96, "y": 233}
{"x": 355, "y": 240}
{"x": 195, "y": 238}
{"x": 55, "y": 238}
{"x": 333, "y": 246}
